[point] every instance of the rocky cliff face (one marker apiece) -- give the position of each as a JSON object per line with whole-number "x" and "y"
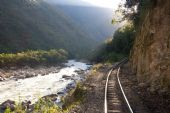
{"x": 150, "y": 56}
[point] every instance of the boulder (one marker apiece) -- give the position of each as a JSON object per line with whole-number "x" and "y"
{"x": 8, "y": 104}
{"x": 26, "y": 104}
{"x": 66, "y": 77}
{"x": 60, "y": 93}
{"x": 79, "y": 71}
{"x": 71, "y": 85}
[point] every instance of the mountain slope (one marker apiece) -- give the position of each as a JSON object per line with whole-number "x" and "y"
{"x": 93, "y": 20}
{"x": 34, "y": 24}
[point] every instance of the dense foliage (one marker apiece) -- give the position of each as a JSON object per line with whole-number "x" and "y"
{"x": 134, "y": 12}
{"x": 34, "y": 24}
{"x": 118, "y": 47}
{"x": 33, "y": 58}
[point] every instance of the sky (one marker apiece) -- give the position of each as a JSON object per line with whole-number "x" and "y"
{"x": 112, "y": 4}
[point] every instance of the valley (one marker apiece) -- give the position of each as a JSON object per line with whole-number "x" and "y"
{"x": 84, "y": 56}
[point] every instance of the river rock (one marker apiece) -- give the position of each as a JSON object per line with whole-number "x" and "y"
{"x": 8, "y": 104}
{"x": 27, "y": 75}
{"x": 52, "y": 97}
{"x": 79, "y": 71}
{"x": 66, "y": 77}
{"x": 26, "y": 104}
{"x": 55, "y": 71}
{"x": 89, "y": 63}
{"x": 73, "y": 75}
{"x": 71, "y": 85}
{"x": 20, "y": 77}
{"x": 1, "y": 78}
{"x": 60, "y": 93}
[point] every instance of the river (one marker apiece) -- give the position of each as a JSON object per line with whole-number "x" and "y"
{"x": 36, "y": 87}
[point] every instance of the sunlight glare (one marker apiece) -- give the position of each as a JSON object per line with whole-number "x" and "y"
{"x": 113, "y": 4}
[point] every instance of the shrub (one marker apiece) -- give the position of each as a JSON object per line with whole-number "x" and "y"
{"x": 42, "y": 106}
{"x": 79, "y": 92}
{"x": 33, "y": 58}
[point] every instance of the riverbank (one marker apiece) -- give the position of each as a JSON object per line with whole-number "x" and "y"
{"x": 33, "y": 58}
{"x": 94, "y": 98}
{"x": 55, "y": 85}
{"x": 27, "y": 71}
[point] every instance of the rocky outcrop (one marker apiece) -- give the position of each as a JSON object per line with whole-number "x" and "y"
{"x": 150, "y": 56}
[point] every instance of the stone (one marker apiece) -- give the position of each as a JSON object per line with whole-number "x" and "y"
{"x": 8, "y": 104}
{"x": 66, "y": 77}
{"x": 79, "y": 71}
{"x": 1, "y": 79}
{"x": 60, "y": 93}
{"x": 70, "y": 86}
{"x": 26, "y": 104}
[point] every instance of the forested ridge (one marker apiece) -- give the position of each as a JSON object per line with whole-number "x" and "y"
{"x": 35, "y": 25}
{"x": 95, "y": 21}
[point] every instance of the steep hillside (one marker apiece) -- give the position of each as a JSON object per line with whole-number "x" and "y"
{"x": 34, "y": 24}
{"x": 69, "y": 2}
{"x": 150, "y": 56}
{"x": 94, "y": 21}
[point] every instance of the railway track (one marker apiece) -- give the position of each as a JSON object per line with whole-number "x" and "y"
{"x": 115, "y": 98}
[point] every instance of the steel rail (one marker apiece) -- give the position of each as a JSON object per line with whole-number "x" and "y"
{"x": 126, "y": 100}
{"x": 105, "y": 101}
{"x": 118, "y": 65}
{"x": 107, "y": 80}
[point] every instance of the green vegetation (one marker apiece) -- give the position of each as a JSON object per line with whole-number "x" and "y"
{"x": 75, "y": 97}
{"x": 118, "y": 47}
{"x": 46, "y": 106}
{"x": 33, "y": 58}
{"x": 42, "y": 106}
{"x": 79, "y": 93}
{"x": 135, "y": 11}
{"x": 139, "y": 16}
{"x": 25, "y": 25}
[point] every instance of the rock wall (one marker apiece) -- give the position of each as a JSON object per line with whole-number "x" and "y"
{"x": 150, "y": 56}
